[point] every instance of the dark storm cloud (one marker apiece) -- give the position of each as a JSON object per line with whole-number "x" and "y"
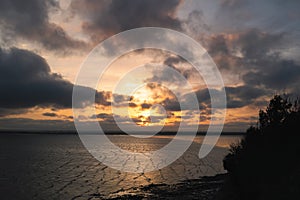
{"x": 218, "y": 45}
{"x": 241, "y": 50}
{"x": 245, "y": 92}
{"x": 258, "y": 56}
{"x": 243, "y": 95}
{"x": 26, "y": 81}
{"x": 30, "y": 20}
{"x": 269, "y": 68}
{"x": 259, "y": 41}
{"x": 256, "y": 44}
{"x": 110, "y": 17}
{"x": 237, "y": 97}
{"x": 277, "y": 74}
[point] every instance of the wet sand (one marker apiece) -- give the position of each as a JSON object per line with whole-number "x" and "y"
{"x": 59, "y": 167}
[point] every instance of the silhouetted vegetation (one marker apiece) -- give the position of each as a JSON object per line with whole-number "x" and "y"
{"x": 265, "y": 164}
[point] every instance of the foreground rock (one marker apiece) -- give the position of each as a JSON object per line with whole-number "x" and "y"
{"x": 205, "y": 188}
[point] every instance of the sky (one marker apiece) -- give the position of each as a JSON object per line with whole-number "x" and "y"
{"x": 43, "y": 44}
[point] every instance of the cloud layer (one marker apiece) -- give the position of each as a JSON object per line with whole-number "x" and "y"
{"x": 254, "y": 44}
{"x": 110, "y": 17}
{"x": 30, "y": 20}
{"x": 26, "y": 81}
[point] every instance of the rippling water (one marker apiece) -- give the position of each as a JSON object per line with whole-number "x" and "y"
{"x": 48, "y": 166}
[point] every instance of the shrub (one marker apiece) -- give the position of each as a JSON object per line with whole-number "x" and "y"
{"x": 265, "y": 164}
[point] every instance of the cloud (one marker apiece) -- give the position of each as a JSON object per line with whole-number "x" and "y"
{"x": 173, "y": 61}
{"x": 258, "y": 57}
{"x": 25, "y": 124}
{"x": 111, "y": 17}
{"x": 237, "y": 97}
{"x": 8, "y": 111}
{"x": 255, "y": 44}
{"x": 196, "y": 24}
{"x": 104, "y": 117}
{"x": 108, "y": 121}
{"x": 174, "y": 74}
{"x": 171, "y": 104}
{"x": 118, "y": 98}
{"x": 237, "y": 50}
{"x": 146, "y": 105}
{"x": 277, "y": 74}
{"x": 253, "y": 54}
{"x": 243, "y": 95}
{"x": 30, "y": 20}
{"x": 269, "y": 15}
{"x": 26, "y": 81}
{"x": 269, "y": 69}
{"x": 47, "y": 114}
{"x": 217, "y": 44}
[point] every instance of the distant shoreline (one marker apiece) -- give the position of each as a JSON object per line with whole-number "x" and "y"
{"x": 107, "y": 133}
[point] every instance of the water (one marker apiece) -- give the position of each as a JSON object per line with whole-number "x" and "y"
{"x": 48, "y": 166}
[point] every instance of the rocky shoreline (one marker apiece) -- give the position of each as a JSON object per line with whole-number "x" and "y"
{"x": 204, "y": 188}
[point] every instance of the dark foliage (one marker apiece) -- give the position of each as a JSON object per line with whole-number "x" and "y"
{"x": 266, "y": 162}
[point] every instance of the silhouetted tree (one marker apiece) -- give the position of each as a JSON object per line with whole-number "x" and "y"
{"x": 278, "y": 110}
{"x": 265, "y": 164}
